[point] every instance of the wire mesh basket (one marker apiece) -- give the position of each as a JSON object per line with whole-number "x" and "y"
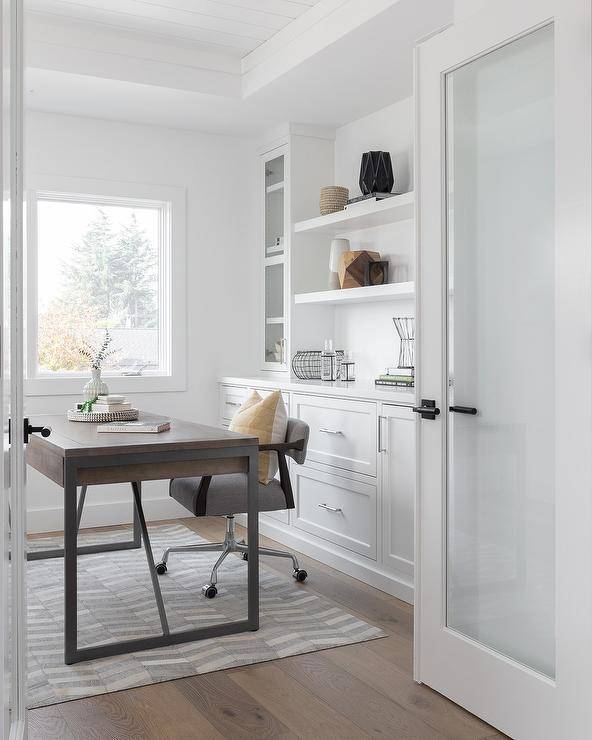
{"x": 306, "y": 364}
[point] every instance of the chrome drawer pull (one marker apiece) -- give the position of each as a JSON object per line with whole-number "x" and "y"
{"x": 330, "y": 431}
{"x": 232, "y": 403}
{"x": 329, "y": 508}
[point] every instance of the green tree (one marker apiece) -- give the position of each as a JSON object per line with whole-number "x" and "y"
{"x": 88, "y": 276}
{"x": 112, "y": 275}
{"x": 134, "y": 273}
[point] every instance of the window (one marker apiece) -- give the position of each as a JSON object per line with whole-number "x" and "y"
{"x": 101, "y": 263}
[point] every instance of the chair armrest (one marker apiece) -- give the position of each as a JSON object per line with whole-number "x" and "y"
{"x": 283, "y": 446}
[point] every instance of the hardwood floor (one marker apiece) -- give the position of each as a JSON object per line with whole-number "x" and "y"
{"x": 356, "y": 691}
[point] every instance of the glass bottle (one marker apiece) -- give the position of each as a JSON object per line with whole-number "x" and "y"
{"x": 328, "y": 362}
{"x": 348, "y": 368}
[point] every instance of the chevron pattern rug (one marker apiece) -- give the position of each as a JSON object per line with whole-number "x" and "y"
{"x": 116, "y": 602}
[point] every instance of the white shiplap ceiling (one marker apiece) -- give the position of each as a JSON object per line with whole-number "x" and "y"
{"x": 233, "y": 27}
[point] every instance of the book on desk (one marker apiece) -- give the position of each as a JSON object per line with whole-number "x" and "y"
{"x": 145, "y": 427}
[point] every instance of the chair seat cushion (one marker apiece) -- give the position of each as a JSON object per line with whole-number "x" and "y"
{"x": 225, "y": 494}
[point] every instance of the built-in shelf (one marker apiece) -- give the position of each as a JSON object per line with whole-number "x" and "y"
{"x": 389, "y": 292}
{"x": 274, "y": 320}
{"x": 275, "y": 187}
{"x": 364, "y": 216}
{"x": 276, "y": 259}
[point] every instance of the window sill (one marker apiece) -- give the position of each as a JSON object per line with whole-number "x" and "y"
{"x": 61, "y": 386}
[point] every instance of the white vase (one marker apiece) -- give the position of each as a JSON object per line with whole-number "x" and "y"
{"x": 338, "y": 247}
{"x": 95, "y": 386}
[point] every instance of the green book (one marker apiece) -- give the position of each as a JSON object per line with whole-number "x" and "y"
{"x": 397, "y": 378}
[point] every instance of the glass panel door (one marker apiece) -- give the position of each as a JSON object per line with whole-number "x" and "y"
{"x": 501, "y": 353}
{"x": 275, "y": 265}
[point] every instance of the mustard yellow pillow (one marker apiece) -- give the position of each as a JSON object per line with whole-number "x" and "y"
{"x": 267, "y": 419}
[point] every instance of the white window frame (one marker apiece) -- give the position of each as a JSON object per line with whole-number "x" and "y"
{"x": 172, "y": 281}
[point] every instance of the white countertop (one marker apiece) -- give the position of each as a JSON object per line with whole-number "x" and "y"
{"x": 365, "y": 389}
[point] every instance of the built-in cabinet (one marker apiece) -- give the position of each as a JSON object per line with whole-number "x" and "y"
{"x": 354, "y": 496}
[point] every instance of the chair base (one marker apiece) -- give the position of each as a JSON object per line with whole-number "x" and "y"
{"x": 230, "y": 545}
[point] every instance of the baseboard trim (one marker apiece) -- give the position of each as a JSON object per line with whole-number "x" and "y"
{"x": 104, "y": 514}
{"x": 349, "y": 563}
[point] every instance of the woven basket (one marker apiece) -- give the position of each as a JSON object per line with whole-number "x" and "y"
{"x": 333, "y": 198}
{"x": 100, "y": 417}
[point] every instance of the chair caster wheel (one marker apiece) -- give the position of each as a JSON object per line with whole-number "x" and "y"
{"x": 160, "y": 568}
{"x": 209, "y": 590}
{"x": 245, "y": 555}
{"x": 300, "y": 575}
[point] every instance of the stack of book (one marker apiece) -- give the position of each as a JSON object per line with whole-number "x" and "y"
{"x": 398, "y": 376}
{"x": 107, "y": 404}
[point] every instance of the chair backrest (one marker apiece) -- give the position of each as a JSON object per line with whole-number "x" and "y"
{"x": 297, "y": 430}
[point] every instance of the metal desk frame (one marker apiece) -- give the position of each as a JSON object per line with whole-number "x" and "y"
{"x": 70, "y": 552}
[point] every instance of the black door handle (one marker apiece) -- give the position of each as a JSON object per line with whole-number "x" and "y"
{"x": 428, "y": 409}
{"x": 463, "y": 410}
{"x": 29, "y": 429}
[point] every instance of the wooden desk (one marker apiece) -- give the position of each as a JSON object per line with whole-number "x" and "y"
{"x": 76, "y": 454}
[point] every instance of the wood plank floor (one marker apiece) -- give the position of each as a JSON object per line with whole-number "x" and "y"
{"x": 356, "y": 691}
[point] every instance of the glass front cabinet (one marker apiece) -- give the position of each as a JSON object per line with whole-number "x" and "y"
{"x": 274, "y": 242}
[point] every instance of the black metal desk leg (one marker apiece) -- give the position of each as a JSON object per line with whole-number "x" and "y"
{"x": 70, "y": 565}
{"x": 81, "y": 500}
{"x": 150, "y": 558}
{"x": 253, "y": 535}
{"x": 137, "y": 538}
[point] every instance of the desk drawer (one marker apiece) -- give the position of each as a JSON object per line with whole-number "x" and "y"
{"x": 337, "y": 509}
{"x": 342, "y": 432}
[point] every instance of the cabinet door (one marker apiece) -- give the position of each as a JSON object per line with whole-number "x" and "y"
{"x": 274, "y": 245}
{"x": 397, "y": 445}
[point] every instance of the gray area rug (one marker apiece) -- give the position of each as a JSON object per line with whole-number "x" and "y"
{"x": 116, "y": 601}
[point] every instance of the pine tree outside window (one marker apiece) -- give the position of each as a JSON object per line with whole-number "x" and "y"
{"x": 99, "y": 262}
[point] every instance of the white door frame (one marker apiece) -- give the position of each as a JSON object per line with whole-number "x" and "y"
{"x": 13, "y": 535}
{"x": 512, "y": 697}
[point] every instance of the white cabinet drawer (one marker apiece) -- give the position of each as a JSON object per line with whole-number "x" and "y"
{"x": 342, "y": 432}
{"x": 231, "y": 398}
{"x": 337, "y": 509}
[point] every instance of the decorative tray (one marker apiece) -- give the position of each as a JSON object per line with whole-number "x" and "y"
{"x": 101, "y": 417}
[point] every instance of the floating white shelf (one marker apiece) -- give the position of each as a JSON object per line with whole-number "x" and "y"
{"x": 389, "y": 292}
{"x": 274, "y": 188}
{"x": 277, "y": 259}
{"x": 275, "y": 320}
{"x": 365, "y": 216}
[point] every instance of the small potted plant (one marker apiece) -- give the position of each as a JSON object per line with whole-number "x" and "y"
{"x": 96, "y": 357}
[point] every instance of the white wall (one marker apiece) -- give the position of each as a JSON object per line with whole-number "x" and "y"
{"x": 464, "y": 8}
{"x": 388, "y": 130}
{"x": 367, "y": 329}
{"x": 222, "y": 273}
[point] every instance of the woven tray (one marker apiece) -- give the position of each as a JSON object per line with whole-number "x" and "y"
{"x": 101, "y": 417}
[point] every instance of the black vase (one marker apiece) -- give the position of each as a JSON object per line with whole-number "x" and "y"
{"x": 376, "y": 173}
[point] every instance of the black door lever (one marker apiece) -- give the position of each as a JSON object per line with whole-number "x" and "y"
{"x": 463, "y": 410}
{"x": 427, "y": 410}
{"x": 29, "y": 429}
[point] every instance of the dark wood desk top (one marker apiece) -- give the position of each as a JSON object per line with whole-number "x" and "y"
{"x": 80, "y": 439}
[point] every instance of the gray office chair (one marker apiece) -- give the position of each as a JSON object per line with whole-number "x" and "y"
{"x": 226, "y": 495}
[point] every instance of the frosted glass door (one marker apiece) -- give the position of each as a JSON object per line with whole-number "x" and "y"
{"x": 501, "y": 326}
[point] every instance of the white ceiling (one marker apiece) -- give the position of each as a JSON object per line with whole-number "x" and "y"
{"x": 82, "y": 68}
{"x": 233, "y": 27}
